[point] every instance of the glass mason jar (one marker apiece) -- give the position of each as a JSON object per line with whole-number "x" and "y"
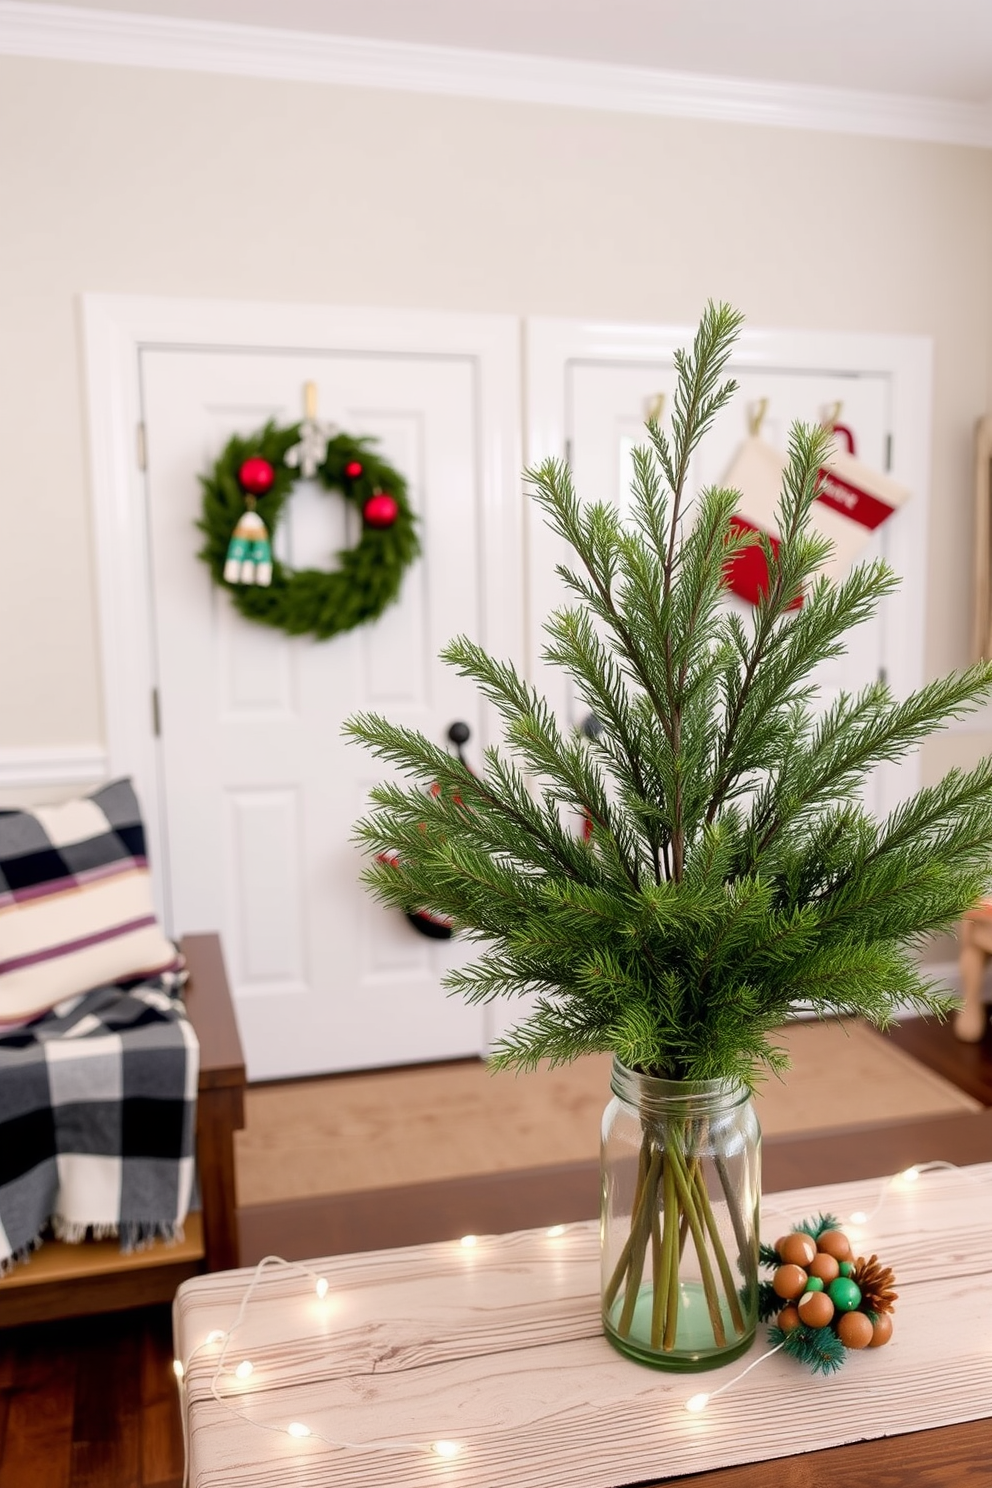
{"x": 681, "y": 1179}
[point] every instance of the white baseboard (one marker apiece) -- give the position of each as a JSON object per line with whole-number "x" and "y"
{"x": 46, "y": 765}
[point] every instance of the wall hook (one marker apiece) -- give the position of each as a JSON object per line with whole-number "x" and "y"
{"x": 310, "y": 400}
{"x": 654, "y": 409}
{"x": 756, "y": 417}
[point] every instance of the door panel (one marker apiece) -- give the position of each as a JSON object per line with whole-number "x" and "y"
{"x": 260, "y": 792}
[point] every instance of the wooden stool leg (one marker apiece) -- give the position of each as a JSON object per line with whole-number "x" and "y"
{"x": 970, "y": 1019}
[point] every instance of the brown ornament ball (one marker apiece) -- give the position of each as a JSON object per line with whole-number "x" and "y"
{"x": 789, "y": 1282}
{"x": 835, "y": 1243}
{"x": 882, "y": 1330}
{"x": 826, "y": 1267}
{"x": 854, "y": 1330}
{"x": 816, "y": 1309}
{"x": 788, "y": 1319}
{"x": 797, "y": 1249}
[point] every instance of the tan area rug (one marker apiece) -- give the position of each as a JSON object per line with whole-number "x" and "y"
{"x": 431, "y": 1122}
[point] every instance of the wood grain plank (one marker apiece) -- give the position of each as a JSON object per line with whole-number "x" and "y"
{"x": 106, "y": 1429}
{"x": 954, "y": 1457}
{"x": 37, "y": 1449}
{"x": 161, "y": 1425}
{"x": 500, "y": 1347}
{"x": 934, "y": 1044}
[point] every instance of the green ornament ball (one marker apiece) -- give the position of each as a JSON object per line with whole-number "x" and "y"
{"x": 847, "y": 1268}
{"x": 845, "y": 1294}
{"x": 814, "y": 1284}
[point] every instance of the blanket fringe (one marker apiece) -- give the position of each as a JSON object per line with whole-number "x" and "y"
{"x": 134, "y": 1234}
{"x": 24, "y": 1254}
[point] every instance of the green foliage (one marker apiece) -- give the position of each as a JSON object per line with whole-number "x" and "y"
{"x": 366, "y": 578}
{"x": 818, "y": 1226}
{"x": 770, "y": 1304}
{"x": 818, "y": 1348}
{"x": 732, "y": 870}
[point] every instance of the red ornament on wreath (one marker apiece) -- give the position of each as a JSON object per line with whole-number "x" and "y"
{"x": 380, "y": 510}
{"x": 256, "y": 476}
{"x": 353, "y": 469}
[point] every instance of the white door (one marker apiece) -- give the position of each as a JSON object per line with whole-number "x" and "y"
{"x": 258, "y": 792}
{"x": 591, "y": 391}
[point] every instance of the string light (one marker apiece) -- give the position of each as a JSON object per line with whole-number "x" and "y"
{"x": 244, "y": 1369}
{"x": 555, "y": 1231}
{"x": 322, "y": 1287}
{"x": 178, "y": 1368}
{"x": 469, "y": 1240}
{"x": 215, "y": 1336}
{"x": 698, "y": 1403}
{"x": 297, "y": 1428}
{"x": 445, "y": 1448}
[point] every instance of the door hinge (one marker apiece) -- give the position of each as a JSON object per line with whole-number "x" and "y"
{"x": 883, "y": 676}
{"x": 142, "y": 446}
{"x": 156, "y": 714}
{"x": 888, "y": 451}
{"x": 568, "y": 452}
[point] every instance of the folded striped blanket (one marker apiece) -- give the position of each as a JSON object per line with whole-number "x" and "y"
{"x": 97, "y": 1119}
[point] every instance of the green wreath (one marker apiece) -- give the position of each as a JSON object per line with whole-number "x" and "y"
{"x": 313, "y": 601}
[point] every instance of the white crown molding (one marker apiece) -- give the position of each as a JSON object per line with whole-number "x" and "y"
{"x": 68, "y": 33}
{"x": 43, "y": 766}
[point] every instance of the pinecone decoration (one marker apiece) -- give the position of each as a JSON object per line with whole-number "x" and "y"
{"x": 875, "y": 1281}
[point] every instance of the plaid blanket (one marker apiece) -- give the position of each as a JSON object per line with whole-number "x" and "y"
{"x": 97, "y": 1120}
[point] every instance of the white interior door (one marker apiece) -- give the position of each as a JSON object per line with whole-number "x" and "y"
{"x": 259, "y": 791}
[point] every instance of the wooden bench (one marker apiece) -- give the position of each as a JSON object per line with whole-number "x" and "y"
{"x": 70, "y": 1280}
{"x": 974, "y": 949}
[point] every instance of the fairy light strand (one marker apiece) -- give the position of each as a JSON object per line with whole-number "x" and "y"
{"x": 444, "y": 1448}
{"x": 698, "y": 1403}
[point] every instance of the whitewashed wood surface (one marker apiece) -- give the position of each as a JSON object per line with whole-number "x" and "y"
{"x": 498, "y": 1347}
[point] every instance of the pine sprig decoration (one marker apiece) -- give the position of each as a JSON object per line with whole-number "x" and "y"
{"x": 818, "y": 1226}
{"x": 732, "y": 869}
{"x": 818, "y": 1348}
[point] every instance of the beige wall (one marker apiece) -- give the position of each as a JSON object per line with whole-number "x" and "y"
{"x": 126, "y": 180}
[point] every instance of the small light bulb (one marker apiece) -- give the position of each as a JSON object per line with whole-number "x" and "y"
{"x": 445, "y": 1448}
{"x": 555, "y": 1231}
{"x": 469, "y": 1240}
{"x": 322, "y": 1287}
{"x": 910, "y": 1175}
{"x": 177, "y": 1368}
{"x": 859, "y": 1217}
{"x": 215, "y": 1336}
{"x": 697, "y": 1403}
{"x": 244, "y": 1369}
{"x": 297, "y": 1428}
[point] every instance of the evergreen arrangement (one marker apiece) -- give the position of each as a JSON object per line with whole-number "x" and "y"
{"x": 731, "y": 869}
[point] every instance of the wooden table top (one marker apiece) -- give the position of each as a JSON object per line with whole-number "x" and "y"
{"x": 498, "y": 1348}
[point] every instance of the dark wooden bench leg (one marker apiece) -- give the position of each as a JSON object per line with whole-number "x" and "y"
{"x": 220, "y": 1115}
{"x": 220, "y": 1105}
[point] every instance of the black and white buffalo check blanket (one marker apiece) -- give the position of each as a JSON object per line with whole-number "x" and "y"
{"x": 97, "y": 1120}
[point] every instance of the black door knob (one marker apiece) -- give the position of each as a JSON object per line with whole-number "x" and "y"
{"x": 459, "y": 734}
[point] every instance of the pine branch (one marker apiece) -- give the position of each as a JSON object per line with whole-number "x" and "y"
{"x": 732, "y": 870}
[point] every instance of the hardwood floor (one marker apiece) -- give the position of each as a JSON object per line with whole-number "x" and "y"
{"x": 92, "y": 1403}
